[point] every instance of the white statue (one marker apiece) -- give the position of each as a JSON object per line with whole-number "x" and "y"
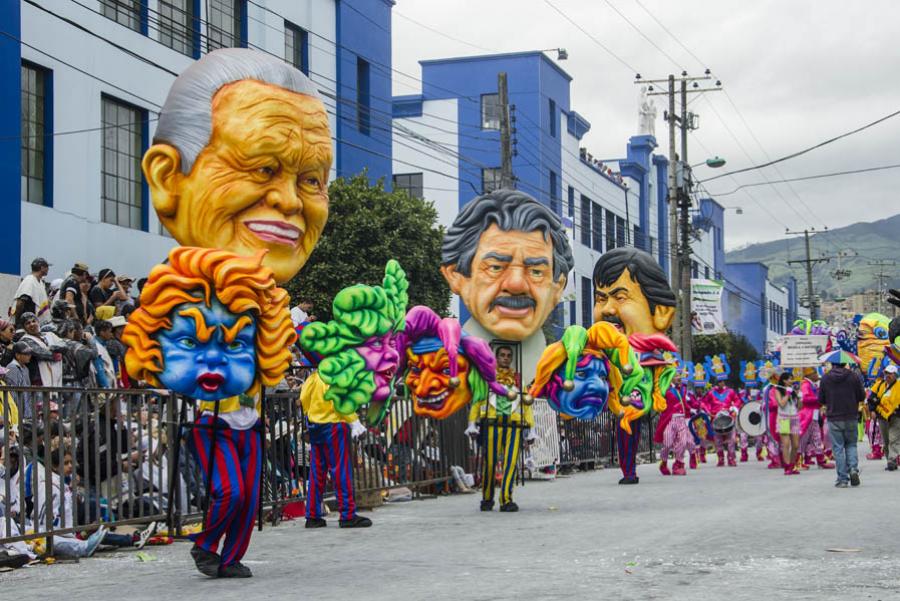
{"x": 646, "y": 114}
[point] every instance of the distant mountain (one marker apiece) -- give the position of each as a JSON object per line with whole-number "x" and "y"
{"x": 860, "y": 244}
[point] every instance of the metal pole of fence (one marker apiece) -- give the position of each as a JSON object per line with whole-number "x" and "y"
{"x": 174, "y": 466}
{"x": 48, "y": 473}
{"x": 60, "y": 468}
{"x": 7, "y": 464}
{"x": 262, "y": 439}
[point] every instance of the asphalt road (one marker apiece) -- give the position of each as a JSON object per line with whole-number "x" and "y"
{"x": 719, "y": 533}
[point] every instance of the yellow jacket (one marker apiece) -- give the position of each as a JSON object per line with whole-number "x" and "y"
{"x": 488, "y": 409}
{"x": 12, "y": 411}
{"x": 888, "y": 398}
{"x": 316, "y": 408}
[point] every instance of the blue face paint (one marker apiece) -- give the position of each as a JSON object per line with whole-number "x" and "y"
{"x": 589, "y": 396}
{"x": 211, "y": 370}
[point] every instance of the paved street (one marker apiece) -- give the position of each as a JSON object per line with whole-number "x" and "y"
{"x": 736, "y": 533}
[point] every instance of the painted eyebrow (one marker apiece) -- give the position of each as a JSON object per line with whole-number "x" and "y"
{"x": 232, "y": 332}
{"x": 536, "y": 261}
{"x": 498, "y": 257}
{"x": 615, "y": 291}
{"x": 204, "y": 333}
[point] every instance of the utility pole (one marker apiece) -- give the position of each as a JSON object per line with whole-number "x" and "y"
{"x": 809, "y": 262}
{"x": 679, "y": 199}
{"x": 507, "y": 180}
{"x": 882, "y": 289}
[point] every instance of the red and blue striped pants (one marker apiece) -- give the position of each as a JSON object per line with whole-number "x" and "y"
{"x": 627, "y": 446}
{"x": 330, "y": 447}
{"x": 234, "y": 493}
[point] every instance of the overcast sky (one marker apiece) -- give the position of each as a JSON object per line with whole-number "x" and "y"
{"x": 799, "y": 72}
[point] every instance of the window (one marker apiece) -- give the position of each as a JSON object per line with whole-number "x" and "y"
{"x": 363, "y": 101}
{"x": 695, "y": 269}
{"x": 296, "y": 47}
{"x": 225, "y": 24}
{"x": 620, "y": 233}
{"x": 762, "y": 307}
{"x": 122, "y": 148}
{"x": 653, "y": 248}
{"x": 587, "y": 302}
{"x": 176, "y": 25}
{"x": 552, "y": 106}
{"x": 610, "y": 231}
{"x": 572, "y": 312}
{"x": 571, "y": 203}
{"x": 554, "y": 197}
{"x": 411, "y": 183}
{"x": 490, "y": 111}
{"x": 490, "y": 179}
{"x": 706, "y": 272}
{"x": 586, "y": 220}
{"x": 597, "y": 228}
{"x": 124, "y": 12}
{"x": 638, "y": 237}
{"x": 36, "y": 111}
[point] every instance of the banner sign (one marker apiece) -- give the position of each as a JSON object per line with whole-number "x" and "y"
{"x": 706, "y": 307}
{"x": 802, "y": 351}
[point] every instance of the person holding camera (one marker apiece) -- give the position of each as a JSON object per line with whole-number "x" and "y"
{"x": 788, "y": 422}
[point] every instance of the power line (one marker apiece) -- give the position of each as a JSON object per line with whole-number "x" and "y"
{"x": 808, "y": 177}
{"x": 643, "y": 35}
{"x": 440, "y": 33}
{"x": 591, "y": 36}
{"x": 673, "y": 36}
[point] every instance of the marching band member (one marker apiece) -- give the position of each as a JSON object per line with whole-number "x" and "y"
{"x": 810, "y": 430}
{"x": 788, "y": 424}
{"x": 672, "y": 430}
{"x": 717, "y": 400}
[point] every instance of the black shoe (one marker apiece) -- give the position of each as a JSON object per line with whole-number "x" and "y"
{"x": 235, "y": 570}
{"x": 315, "y": 523}
{"x": 891, "y": 467}
{"x": 487, "y": 506}
{"x": 634, "y": 480}
{"x": 207, "y": 562}
{"x": 854, "y": 478}
{"x": 509, "y": 507}
{"x": 356, "y": 522}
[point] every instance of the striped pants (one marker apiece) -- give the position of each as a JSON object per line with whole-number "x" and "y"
{"x": 234, "y": 491}
{"x": 330, "y": 448}
{"x": 502, "y": 440}
{"x": 676, "y": 438}
{"x": 627, "y": 446}
{"x": 811, "y": 442}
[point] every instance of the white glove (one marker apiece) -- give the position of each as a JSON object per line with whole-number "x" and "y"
{"x": 357, "y": 429}
{"x": 530, "y": 435}
{"x": 472, "y": 429}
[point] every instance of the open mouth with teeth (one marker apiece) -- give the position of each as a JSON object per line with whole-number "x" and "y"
{"x": 434, "y": 402}
{"x": 210, "y": 382}
{"x": 279, "y": 232}
{"x": 385, "y": 375}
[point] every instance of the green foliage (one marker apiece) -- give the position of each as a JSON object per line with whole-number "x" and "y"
{"x": 366, "y": 227}
{"x": 735, "y": 346}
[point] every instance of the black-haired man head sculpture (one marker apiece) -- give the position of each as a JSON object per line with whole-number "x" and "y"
{"x": 631, "y": 291}
{"x": 507, "y": 256}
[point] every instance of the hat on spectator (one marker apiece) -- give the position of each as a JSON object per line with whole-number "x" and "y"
{"x": 80, "y": 267}
{"x": 39, "y": 263}
{"x": 27, "y": 316}
{"x": 117, "y": 322}
{"x": 890, "y": 369}
{"x": 56, "y": 284}
{"x": 105, "y": 313}
{"x": 125, "y": 278}
{"x": 21, "y": 348}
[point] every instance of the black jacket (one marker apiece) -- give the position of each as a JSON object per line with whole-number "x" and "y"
{"x": 841, "y": 391}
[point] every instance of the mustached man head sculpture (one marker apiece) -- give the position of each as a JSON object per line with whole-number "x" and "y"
{"x": 507, "y": 256}
{"x": 240, "y": 159}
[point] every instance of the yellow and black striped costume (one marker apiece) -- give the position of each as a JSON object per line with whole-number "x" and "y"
{"x": 501, "y": 422}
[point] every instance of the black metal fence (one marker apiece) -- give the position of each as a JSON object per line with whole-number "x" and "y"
{"x": 73, "y": 459}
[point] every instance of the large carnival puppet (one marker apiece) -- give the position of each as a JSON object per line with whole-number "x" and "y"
{"x": 360, "y": 355}
{"x": 214, "y": 327}
{"x": 872, "y": 337}
{"x": 239, "y": 164}
{"x": 631, "y": 291}
{"x": 507, "y": 256}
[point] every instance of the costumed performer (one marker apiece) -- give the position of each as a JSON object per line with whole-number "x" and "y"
{"x": 213, "y": 326}
{"x": 360, "y": 350}
{"x": 811, "y": 435}
{"x": 749, "y": 392}
{"x": 672, "y": 431}
{"x": 722, "y": 399}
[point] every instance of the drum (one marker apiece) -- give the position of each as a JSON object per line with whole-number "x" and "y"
{"x": 700, "y": 427}
{"x": 723, "y": 423}
{"x": 750, "y": 419}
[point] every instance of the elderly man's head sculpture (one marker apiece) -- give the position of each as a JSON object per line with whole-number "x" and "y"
{"x": 632, "y": 292}
{"x": 241, "y": 157}
{"x": 507, "y": 256}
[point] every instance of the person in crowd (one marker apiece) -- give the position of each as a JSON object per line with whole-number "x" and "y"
{"x": 810, "y": 430}
{"x": 60, "y": 311}
{"x": 85, "y": 308}
{"x": 841, "y": 392}
{"x": 788, "y": 422}
{"x": 125, "y": 301}
{"x": 506, "y": 375}
{"x": 7, "y": 332}
{"x": 46, "y": 365}
{"x": 883, "y": 402}
{"x": 31, "y": 295}
{"x": 117, "y": 349}
{"x": 301, "y": 313}
{"x": 104, "y": 366}
{"x": 106, "y": 292}
{"x": 71, "y": 289}
{"x": 78, "y": 356}
{"x": 17, "y": 370}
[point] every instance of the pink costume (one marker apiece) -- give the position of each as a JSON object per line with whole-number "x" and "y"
{"x": 774, "y": 446}
{"x": 716, "y": 401}
{"x": 810, "y": 431}
{"x": 672, "y": 431}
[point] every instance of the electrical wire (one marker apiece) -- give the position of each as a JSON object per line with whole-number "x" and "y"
{"x": 808, "y": 177}
{"x": 592, "y": 38}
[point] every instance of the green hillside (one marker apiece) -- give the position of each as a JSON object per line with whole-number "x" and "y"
{"x": 860, "y": 243}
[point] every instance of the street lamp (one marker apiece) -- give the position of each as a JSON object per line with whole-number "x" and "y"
{"x": 561, "y": 53}
{"x": 737, "y": 210}
{"x": 713, "y": 163}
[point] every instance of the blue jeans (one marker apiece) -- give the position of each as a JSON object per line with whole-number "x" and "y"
{"x": 843, "y": 444}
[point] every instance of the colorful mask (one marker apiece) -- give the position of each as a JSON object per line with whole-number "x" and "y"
{"x": 657, "y": 357}
{"x": 749, "y": 374}
{"x": 360, "y": 347}
{"x": 872, "y": 338}
{"x": 582, "y": 373}
{"x": 718, "y": 367}
{"x": 211, "y": 325}
{"x": 445, "y": 369}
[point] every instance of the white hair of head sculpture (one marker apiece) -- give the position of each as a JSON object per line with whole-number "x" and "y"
{"x": 185, "y": 121}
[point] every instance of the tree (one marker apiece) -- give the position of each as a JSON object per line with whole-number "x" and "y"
{"x": 736, "y": 348}
{"x": 367, "y": 225}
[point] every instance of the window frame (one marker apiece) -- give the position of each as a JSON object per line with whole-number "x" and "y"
{"x": 239, "y": 21}
{"x": 46, "y": 115}
{"x": 183, "y": 37}
{"x": 409, "y": 187}
{"x": 296, "y": 34}
{"x": 498, "y": 178}
{"x": 498, "y": 110}
{"x": 140, "y": 191}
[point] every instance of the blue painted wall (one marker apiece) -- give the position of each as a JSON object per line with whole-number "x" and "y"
{"x": 662, "y": 209}
{"x": 744, "y": 304}
{"x": 637, "y": 166}
{"x": 10, "y": 130}
{"x": 364, "y": 32}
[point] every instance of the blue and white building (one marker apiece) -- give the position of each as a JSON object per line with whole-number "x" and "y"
{"x": 84, "y": 81}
